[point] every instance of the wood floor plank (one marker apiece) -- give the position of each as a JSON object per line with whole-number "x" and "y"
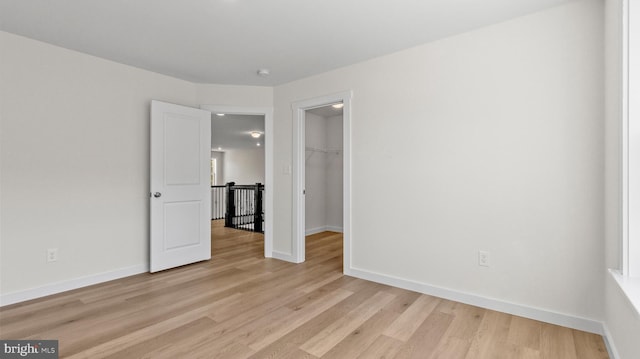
{"x": 457, "y": 339}
{"x": 362, "y": 337}
{"x": 588, "y": 345}
{"x": 511, "y": 351}
{"x": 302, "y": 314}
{"x": 525, "y": 332}
{"x": 447, "y": 306}
{"x": 467, "y": 320}
{"x": 426, "y": 339}
{"x": 324, "y": 320}
{"x": 157, "y": 345}
{"x": 241, "y": 305}
{"x": 404, "y": 299}
{"x": 557, "y": 342}
{"x": 225, "y": 337}
{"x": 491, "y": 334}
{"x": 152, "y": 331}
{"x": 328, "y": 278}
{"x": 383, "y": 347}
{"x": 234, "y": 351}
{"x": 286, "y": 351}
{"x": 333, "y": 334}
{"x": 451, "y": 348}
{"x": 404, "y": 327}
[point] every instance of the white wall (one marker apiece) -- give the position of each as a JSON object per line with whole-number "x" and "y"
{"x": 75, "y": 160}
{"x": 244, "y": 166}
{"x": 315, "y": 174}
{"x": 75, "y": 149}
{"x": 333, "y": 207}
{"x": 620, "y": 318}
{"x": 501, "y": 131}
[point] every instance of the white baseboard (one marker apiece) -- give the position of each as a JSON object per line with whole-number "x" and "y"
{"x": 611, "y": 348}
{"x": 311, "y": 231}
{"x": 584, "y": 324}
{"x": 287, "y": 257}
{"x": 63, "y": 286}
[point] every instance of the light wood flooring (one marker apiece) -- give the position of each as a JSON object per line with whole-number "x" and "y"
{"x": 240, "y": 305}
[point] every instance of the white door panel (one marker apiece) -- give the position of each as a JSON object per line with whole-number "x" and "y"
{"x": 180, "y": 189}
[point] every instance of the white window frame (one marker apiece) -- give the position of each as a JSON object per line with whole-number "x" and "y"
{"x": 628, "y": 276}
{"x": 631, "y": 140}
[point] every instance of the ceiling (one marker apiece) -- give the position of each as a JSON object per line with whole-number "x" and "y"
{"x": 227, "y": 41}
{"x": 233, "y": 132}
{"x": 326, "y": 111}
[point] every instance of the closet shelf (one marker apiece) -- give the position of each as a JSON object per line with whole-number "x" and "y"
{"x": 336, "y": 151}
{"x": 311, "y": 150}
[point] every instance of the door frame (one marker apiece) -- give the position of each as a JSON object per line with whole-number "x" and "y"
{"x": 298, "y": 229}
{"x": 267, "y": 112}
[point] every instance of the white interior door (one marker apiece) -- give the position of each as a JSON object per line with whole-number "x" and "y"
{"x": 180, "y": 195}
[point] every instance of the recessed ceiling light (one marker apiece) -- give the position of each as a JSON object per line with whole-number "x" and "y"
{"x": 264, "y": 72}
{"x": 258, "y": 144}
{"x": 255, "y": 134}
{"x": 337, "y": 105}
{"x": 220, "y": 114}
{"x": 219, "y": 148}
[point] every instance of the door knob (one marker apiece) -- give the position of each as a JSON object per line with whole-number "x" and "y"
{"x": 157, "y": 194}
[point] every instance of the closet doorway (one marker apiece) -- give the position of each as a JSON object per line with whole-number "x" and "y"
{"x": 322, "y": 172}
{"x": 323, "y": 169}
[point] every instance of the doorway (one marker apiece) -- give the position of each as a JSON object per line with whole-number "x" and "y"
{"x": 304, "y": 152}
{"x": 237, "y": 167}
{"x": 243, "y": 151}
{"x": 323, "y": 169}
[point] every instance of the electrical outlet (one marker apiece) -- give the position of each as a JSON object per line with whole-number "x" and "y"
{"x": 52, "y": 254}
{"x": 483, "y": 258}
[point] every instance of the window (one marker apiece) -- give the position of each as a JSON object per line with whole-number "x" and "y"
{"x": 214, "y": 171}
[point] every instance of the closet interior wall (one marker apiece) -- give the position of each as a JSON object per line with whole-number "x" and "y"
{"x": 323, "y": 173}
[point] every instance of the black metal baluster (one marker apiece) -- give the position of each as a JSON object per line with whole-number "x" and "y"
{"x": 231, "y": 208}
{"x": 257, "y": 209}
